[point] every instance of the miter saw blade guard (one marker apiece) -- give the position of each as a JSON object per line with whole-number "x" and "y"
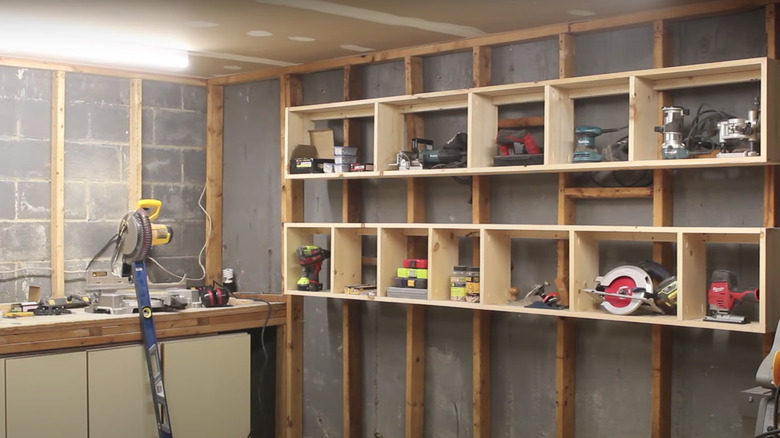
{"x": 624, "y": 290}
{"x": 135, "y": 235}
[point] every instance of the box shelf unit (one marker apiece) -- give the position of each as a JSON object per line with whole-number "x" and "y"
{"x": 641, "y": 88}
{"x": 495, "y": 265}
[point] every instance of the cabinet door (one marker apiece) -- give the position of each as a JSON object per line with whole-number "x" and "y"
{"x": 120, "y": 399}
{"x": 46, "y": 396}
{"x": 207, "y": 384}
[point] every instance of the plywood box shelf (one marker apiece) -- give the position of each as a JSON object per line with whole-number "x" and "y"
{"x": 641, "y": 89}
{"x": 495, "y": 262}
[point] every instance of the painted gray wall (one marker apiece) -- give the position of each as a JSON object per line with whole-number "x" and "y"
{"x": 613, "y": 359}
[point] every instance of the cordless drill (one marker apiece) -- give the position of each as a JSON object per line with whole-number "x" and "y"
{"x": 310, "y": 257}
{"x": 723, "y": 298}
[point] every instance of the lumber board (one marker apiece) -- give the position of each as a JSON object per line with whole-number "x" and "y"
{"x": 135, "y": 154}
{"x": 771, "y": 195}
{"x": 352, "y": 369}
{"x": 100, "y": 71}
{"x": 351, "y": 201}
{"x": 661, "y": 388}
{"x": 415, "y": 371}
{"x": 292, "y": 190}
{"x": 521, "y": 122}
{"x": 771, "y": 31}
{"x": 57, "y": 189}
{"x": 481, "y": 373}
{"x": 214, "y": 155}
{"x": 662, "y": 44}
{"x": 566, "y": 66}
{"x": 294, "y": 373}
{"x": 482, "y": 61}
{"x": 607, "y": 192}
{"x": 564, "y": 378}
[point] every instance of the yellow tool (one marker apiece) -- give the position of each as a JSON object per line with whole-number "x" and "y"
{"x": 17, "y": 314}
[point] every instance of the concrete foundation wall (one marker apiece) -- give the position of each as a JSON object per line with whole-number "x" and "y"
{"x": 96, "y": 173}
{"x": 613, "y": 359}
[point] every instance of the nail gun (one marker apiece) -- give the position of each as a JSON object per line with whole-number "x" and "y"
{"x": 722, "y": 298}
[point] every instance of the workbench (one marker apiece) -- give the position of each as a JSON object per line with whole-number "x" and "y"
{"x": 94, "y": 365}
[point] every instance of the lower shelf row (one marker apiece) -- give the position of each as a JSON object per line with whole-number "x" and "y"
{"x": 717, "y": 278}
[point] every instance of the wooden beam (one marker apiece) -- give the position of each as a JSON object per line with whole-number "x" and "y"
{"x": 566, "y": 216}
{"x": 292, "y": 190}
{"x": 294, "y": 361}
{"x": 135, "y": 155}
{"x": 663, "y": 213}
{"x": 415, "y": 187}
{"x": 415, "y": 371}
{"x": 100, "y": 71}
{"x": 661, "y": 401}
{"x": 281, "y": 382}
{"x": 662, "y": 44}
{"x": 608, "y": 192}
{"x": 215, "y": 120}
{"x": 413, "y": 78}
{"x": 772, "y": 43}
{"x": 521, "y": 122}
{"x": 564, "y": 378}
{"x": 481, "y": 373}
{"x": 482, "y": 60}
{"x": 566, "y": 50}
{"x": 352, "y": 369}
{"x": 771, "y": 196}
{"x": 57, "y": 189}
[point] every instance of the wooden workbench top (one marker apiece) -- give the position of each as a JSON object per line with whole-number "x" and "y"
{"x": 81, "y": 329}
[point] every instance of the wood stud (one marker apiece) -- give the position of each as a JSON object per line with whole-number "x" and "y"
{"x": 135, "y": 162}
{"x": 58, "y": 185}
{"x": 215, "y": 120}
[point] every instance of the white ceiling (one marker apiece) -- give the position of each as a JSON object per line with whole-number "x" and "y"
{"x": 237, "y": 36}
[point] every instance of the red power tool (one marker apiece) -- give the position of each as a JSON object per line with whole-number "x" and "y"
{"x": 310, "y": 257}
{"x": 512, "y": 142}
{"x": 723, "y": 298}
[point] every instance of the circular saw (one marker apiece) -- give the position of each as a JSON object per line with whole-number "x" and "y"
{"x": 137, "y": 234}
{"x": 624, "y": 290}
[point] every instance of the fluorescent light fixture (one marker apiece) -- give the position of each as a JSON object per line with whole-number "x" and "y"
{"x": 97, "y": 52}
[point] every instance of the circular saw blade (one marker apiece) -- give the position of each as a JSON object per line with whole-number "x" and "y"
{"x": 135, "y": 235}
{"x": 622, "y": 284}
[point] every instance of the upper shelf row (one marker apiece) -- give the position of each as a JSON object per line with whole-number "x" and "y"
{"x": 643, "y": 89}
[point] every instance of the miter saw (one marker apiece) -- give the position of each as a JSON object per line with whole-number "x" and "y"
{"x": 135, "y": 238}
{"x": 628, "y": 288}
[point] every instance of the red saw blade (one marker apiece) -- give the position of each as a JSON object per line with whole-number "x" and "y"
{"x": 623, "y": 282}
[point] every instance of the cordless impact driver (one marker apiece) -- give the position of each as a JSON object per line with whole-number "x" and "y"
{"x": 310, "y": 257}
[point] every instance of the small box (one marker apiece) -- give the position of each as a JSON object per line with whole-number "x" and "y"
{"x": 327, "y": 167}
{"x": 407, "y": 292}
{"x": 345, "y": 150}
{"x": 308, "y": 165}
{"x": 339, "y": 168}
{"x": 322, "y": 139}
{"x": 416, "y": 263}
{"x": 417, "y": 283}
{"x": 361, "y": 167}
{"x": 412, "y": 273}
{"x": 360, "y": 289}
{"x": 345, "y": 159}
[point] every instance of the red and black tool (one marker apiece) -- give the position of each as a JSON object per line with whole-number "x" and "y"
{"x": 310, "y": 257}
{"x": 723, "y": 296}
{"x": 214, "y": 296}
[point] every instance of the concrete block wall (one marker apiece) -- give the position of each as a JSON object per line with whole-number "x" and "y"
{"x": 25, "y": 138}
{"x": 174, "y": 171}
{"x": 96, "y": 173}
{"x": 613, "y": 359}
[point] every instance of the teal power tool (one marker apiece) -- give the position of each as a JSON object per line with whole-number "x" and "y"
{"x": 585, "y": 137}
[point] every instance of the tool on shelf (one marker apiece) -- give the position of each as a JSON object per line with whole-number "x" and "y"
{"x": 628, "y": 288}
{"x": 766, "y": 394}
{"x": 135, "y": 238}
{"x": 452, "y": 154}
{"x": 585, "y": 140}
{"x": 672, "y": 129}
{"x": 310, "y": 257}
{"x": 538, "y": 297}
{"x": 517, "y": 148}
{"x": 739, "y": 137}
{"x": 723, "y": 297}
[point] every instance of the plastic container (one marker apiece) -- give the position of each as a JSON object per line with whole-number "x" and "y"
{"x": 458, "y": 283}
{"x": 345, "y": 151}
{"x": 472, "y": 285}
{"x": 338, "y": 168}
{"x": 345, "y": 159}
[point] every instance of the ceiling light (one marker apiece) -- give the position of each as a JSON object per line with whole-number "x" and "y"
{"x": 201, "y": 24}
{"x": 580, "y": 13}
{"x": 356, "y": 48}
{"x": 232, "y": 67}
{"x": 302, "y": 39}
{"x": 259, "y": 33}
{"x": 94, "y": 51}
